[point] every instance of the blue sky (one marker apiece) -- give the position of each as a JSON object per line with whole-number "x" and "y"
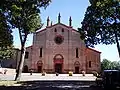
{"x": 76, "y": 9}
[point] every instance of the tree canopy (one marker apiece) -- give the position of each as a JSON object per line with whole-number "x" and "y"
{"x": 6, "y": 38}
{"x": 101, "y": 23}
{"x": 25, "y": 16}
{"x": 107, "y": 64}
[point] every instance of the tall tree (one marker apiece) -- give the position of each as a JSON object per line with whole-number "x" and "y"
{"x": 101, "y": 23}
{"x": 23, "y": 15}
{"x": 6, "y": 38}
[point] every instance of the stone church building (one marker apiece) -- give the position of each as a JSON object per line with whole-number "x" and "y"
{"x": 58, "y": 48}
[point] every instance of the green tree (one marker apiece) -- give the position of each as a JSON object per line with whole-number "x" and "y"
{"x": 105, "y": 64}
{"x": 6, "y": 39}
{"x": 23, "y": 15}
{"x": 101, "y": 23}
{"x": 115, "y": 65}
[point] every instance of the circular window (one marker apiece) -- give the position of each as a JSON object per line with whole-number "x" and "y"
{"x": 59, "y": 39}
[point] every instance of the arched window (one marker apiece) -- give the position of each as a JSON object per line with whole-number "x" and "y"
{"x": 40, "y": 52}
{"x": 55, "y": 30}
{"x": 77, "y": 53}
{"x": 62, "y": 29}
{"x": 89, "y": 64}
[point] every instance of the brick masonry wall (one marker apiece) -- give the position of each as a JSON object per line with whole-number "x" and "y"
{"x": 45, "y": 40}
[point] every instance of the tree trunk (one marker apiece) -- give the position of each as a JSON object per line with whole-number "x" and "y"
{"x": 22, "y": 54}
{"x": 118, "y": 46}
{"x": 20, "y": 65}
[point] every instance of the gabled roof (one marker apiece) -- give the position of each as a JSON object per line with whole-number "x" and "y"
{"x": 56, "y": 25}
{"x": 40, "y": 30}
{"x": 62, "y": 25}
{"x": 66, "y": 27}
{"x": 93, "y": 50}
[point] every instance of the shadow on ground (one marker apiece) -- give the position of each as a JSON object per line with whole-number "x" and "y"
{"x": 52, "y": 85}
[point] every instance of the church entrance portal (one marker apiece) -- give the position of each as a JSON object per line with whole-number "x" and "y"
{"x": 76, "y": 70}
{"x": 58, "y": 63}
{"x": 39, "y": 69}
{"x": 58, "y": 68}
{"x": 39, "y": 66}
{"x": 77, "y": 67}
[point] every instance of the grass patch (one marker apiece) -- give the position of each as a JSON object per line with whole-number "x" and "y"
{"x": 9, "y": 83}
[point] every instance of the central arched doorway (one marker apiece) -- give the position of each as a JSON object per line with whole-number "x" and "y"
{"x": 39, "y": 66}
{"x": 58, "y": 63}
{"x": 77, "y": 67}
{"x": 58, "y": 68}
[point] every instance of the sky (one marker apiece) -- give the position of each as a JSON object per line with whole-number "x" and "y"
{"x": 76, "y": 9}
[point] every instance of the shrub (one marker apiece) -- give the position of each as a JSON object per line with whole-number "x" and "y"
{"x": 43, "y": 74}
{"x": 70, "y": 73}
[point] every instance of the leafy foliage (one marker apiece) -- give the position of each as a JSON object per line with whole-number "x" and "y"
{"x": 115, "y": 65}
{"x": 6, "y": 39}
{"x": 6, "y": 53}
{"x": 23, "y": 15}
{"x": 101, "y": 23}
{"x": 107, "y": 64}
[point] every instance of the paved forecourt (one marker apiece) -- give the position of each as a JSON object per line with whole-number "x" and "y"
{"x": 49, "y": 77}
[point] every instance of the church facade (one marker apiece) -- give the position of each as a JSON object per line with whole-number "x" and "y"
{"x": 58, "y": 48}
